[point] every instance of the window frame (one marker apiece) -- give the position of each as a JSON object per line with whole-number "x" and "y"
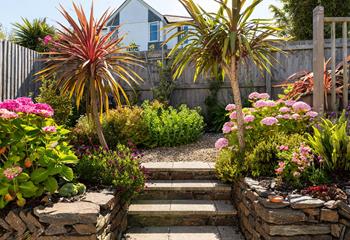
{"x": 158, "y": 31}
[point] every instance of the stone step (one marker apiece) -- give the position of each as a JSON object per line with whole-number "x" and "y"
{"x": 186, "y": 189}
{"x": 185, "y": 232}
{"x": 144, "y": 213}
{"x": 180, "y": 170}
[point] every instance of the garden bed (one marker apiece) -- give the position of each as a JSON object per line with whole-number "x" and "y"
{"x": 98, "y": 215}
{"x": 203, "y": 150}
{"x": 296, "y": 217}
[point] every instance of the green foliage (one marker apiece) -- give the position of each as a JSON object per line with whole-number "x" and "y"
{"x": 60, "y": 102}
{"x": 119, "y": 126}
{"x": 229, "y": 165}
{"x": 300, "y": 14}
{"x": 168, "y": 126}
{"x": 2, "y": 33}
{"x": 166, "y": 85}
{"x": 38, "y": 159}
{"x": 263, "y": 159}
{"x": 120, "y": 168}
{"x": 332, "y": 143}
{"x": 70, "y": 189}
{"x": 282, "y": 20}
{"x": 31, "y": 34}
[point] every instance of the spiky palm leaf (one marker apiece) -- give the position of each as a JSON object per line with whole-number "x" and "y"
{"x": 31, "y": 34}
{"x": 89, "y": 65}
{"x": 223, "y": 39}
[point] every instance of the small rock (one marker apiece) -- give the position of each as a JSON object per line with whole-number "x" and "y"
{"x": 328, "y": 215}
{"x": 104, "y": 200}
{"x": 85, "y": 229}
{"x": 55, "y": 229}
{"x": 16, "y": 223}
{"x": 332, "y": 204}
{"x": 306, "y": 202}
{"x": 251, "y": 183}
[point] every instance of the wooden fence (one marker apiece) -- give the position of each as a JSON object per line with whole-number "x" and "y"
{"x": 17, "y": 68}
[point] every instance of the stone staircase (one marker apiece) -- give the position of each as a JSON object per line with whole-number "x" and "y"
{"x": 183, "y": 200}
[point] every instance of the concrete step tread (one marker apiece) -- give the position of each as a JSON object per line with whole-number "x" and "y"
{"x": 186, "y": 185}
{"x": 185, "y": 232}
{"x": 181, "y": 207}
{"x": 179, "y": 166}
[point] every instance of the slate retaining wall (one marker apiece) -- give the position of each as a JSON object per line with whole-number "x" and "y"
{"x": 99, "y": 215}
{"x": 297, "y": 218}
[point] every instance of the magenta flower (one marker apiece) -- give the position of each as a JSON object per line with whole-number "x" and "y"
{"x": 26, "y": 105}
{"x": 301, "y": 107}
{"x": 269, "y": 121}
{"x": 233, "y": 115}
{"x": 10, "y": 105}
{"x": 284, "y": 109}
{"x": 227, "y": 128}
{"x": 13, "y": 172}
{"x": 283, "y": 148}
{"x": 312, "y": 114}
{"x": 281, "y": 167}
{"x": 221, "y": 143}
{"x": 230, "y": 107}
{"x": 249, "y": 118}
{"x": 49, "y": 129}
{"x": 47, "y": 39}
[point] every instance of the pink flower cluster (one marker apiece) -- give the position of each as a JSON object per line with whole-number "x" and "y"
{"x": 47, "y": 39}
{"x": 13, "y": 172}
{"x": 301, "y": 107}
{"x": 269, "y": 121}
{"x": 227, "y": 128}
{"x": 265, "y": 103}
{"x": 49, "y": 129}
{"x": 256, "y": 95}
{"x": 230, "y": 107}
{"x": 24, "y": 105}
{"x": 221, "y": 143}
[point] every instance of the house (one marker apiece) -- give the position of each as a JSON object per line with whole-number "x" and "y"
{"x": 143, "y": 25}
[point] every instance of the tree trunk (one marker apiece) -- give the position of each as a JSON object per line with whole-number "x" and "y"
{"x": 231, "y": 71}
{"x": 96, "y": 118}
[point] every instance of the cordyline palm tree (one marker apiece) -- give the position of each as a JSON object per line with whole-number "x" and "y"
{"x": 90, "y": 66}
{"x": 221, "y": 40}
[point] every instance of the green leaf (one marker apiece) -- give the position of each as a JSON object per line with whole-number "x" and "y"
{"x": 54, "y": 170}
{"x": 67, "y": 173}
{"x": 23, "y": 177}
{"x": 69, "y": 159}
{"x": 39, "y": 175}
{"x": 28, "y": 189}
{"x": 51, "y": 184}
{"x": 28, "y": 128}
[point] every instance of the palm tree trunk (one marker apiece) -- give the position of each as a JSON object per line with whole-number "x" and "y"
{"x": 96, "y": 118}
{"x": 231, "y": 71}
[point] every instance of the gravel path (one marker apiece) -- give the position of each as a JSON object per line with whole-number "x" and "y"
{"x": 203, "y": 150}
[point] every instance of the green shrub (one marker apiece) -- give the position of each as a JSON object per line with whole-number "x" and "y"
{"x": 119, "y": 126}
{"x": 120, "y": 168}
{"x": 168, "y": 126}
{"x": 263, "y": 159}
{"x": 61, "y": 103}
{"x": 229, "y": 165}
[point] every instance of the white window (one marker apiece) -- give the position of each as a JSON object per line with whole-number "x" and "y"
{"x": 154, "y": 32}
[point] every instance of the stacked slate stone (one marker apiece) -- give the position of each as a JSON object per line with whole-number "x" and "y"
{"x": 99, "y": 215}
{"x": 297, "y": 217}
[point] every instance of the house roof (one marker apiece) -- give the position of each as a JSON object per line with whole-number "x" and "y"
{"x": 169, "y": 18}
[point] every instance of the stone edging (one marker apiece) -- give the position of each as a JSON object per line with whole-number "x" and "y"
{"x": 298, "y": 217}
{"x": 99, "y": 215}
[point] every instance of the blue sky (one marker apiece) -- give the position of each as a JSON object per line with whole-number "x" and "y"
{"x": 12, "y": 10}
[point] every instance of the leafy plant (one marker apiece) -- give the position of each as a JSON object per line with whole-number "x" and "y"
{"x": 166, "y": 85}
{"x": 33, "y": 35}
{"x": 34, "y": 156}
{"x": 89, "y": 65}
{"x": 229, "y": 165}
{"x": 2, "y": 33}
{"x": 61, "y": 103}
{"x": 168, "y": 126}
{"x": 221, "y": 40}
{"x": 120, "y": 168}
{"x": 121, "y": 125}
{"x": 70, "y": 190}
{"x": 332, "y": 143}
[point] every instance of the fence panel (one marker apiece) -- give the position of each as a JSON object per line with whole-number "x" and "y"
{"x": 17, "y": 68}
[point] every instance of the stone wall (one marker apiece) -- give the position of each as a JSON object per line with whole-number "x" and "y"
{"x": 297, "y": 218}
{"x": 99, "y": 215}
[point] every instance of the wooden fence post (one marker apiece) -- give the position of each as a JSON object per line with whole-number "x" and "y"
{"x": 318, "y": 58}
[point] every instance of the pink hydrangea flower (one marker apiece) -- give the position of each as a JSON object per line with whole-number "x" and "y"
{"x": 47, "y": 39}
{"x": 264, "y": 96}
{"x": 254, "y": 95}
{"x": 283, "y": 148}
{"x": 289, "y": 103}
{"x": 230, "y": 107}
{"x": 295, "y": 116}
{"x": 227, "y": 128}
{"x": 233, "y": 115}
{"x": 286, "y": 116}
{"x": 221, "y": 143}
{"x": 279, "y": 116}
{"x": 249, "y": 118}
{"x": 281, "y": 167}
{"x": 8, "y": 115}
{"x": 269, "y": 121}
{"x": 284, "y": 109}
{"x": 50, "y": 129}
{"x": 301, "y": 107}
{"x": 10, "y": 105}
{"x": 26, "y": 105}
{"x": 312, "y": 114}
{"x": 13, "y": 172}
{"x": 260, "y": 104}
{"x": 271, "y": 103}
